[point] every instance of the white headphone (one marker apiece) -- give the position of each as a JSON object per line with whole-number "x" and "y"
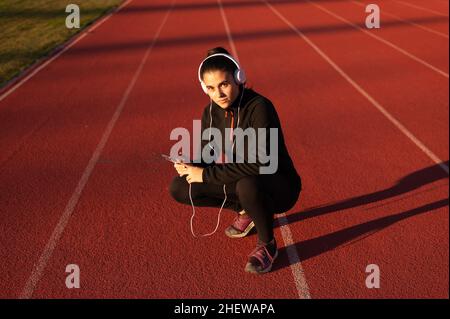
{"x": 239, "y": 74}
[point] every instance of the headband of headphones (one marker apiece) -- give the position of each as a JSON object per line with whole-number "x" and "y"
{"x": 239, "y": 74}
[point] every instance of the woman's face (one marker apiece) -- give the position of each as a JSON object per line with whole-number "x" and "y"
{"x": 222, "y": 88}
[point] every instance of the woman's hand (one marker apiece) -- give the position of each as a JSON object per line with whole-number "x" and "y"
{"x": 194, "y": 174}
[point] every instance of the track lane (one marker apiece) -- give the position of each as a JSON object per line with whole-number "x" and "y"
{"x": 39, "y": 178}
{"x": 348, "y": 153}
{"x": 370, "y": 62}
{"x": 138, "y": 242}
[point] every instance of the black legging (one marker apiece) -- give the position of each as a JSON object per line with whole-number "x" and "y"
{"x": 261, "y": 196}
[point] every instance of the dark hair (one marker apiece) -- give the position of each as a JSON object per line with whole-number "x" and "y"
{"x": 218, "y": 63}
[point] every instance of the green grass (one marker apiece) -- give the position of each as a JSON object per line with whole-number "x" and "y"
{"x": 31, "y": 29}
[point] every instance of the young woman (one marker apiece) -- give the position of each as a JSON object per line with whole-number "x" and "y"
{"x": 255, "y": 197}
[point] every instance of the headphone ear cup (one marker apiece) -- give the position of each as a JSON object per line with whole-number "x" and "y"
{"x": 239, "y": 76}
{"x": 204, "y": 88}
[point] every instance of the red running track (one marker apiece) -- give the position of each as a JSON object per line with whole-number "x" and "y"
{"x": 81, "y": 181}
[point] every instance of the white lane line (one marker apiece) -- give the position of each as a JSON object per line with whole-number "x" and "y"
{"x": 388, "y": 43}
{"x": 67, "y": 46}
{"x": 421, "y": 8}
{"x": 294, "y": 260}
{"x": 406, "y": 21}
{"x": 59, "y": 229}
{"x": 374, "y": 102}
{"x": 227, "y": 29}
{"x": 296, "y": 266}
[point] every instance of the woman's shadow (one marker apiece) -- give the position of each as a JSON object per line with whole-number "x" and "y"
{"x": 316, "y": 246}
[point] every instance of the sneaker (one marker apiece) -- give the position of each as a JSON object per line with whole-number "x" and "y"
{"x": 241, "y": 226}
{"x": 262, "y": 257}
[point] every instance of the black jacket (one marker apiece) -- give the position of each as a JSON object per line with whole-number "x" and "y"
{"x": 258, "y": 112}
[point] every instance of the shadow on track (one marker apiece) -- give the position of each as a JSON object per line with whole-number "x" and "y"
{"x": 316, "y": 246}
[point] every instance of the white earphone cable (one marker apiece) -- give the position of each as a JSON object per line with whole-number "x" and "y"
{"x": 193, "y": 212}
{"x": 237, "y": 124}
{"x": 224, "y": 186}
{"x": 210, "y": 125}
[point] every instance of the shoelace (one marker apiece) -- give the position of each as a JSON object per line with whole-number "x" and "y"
{"x": 239, "y": 222}
{"x": 259, "y": 252}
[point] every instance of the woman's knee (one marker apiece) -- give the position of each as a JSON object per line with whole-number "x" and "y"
{"x": 248, "y": 188}
{"x": 179, "y": 189}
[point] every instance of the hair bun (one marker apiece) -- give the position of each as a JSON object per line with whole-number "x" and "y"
{"x": 217, "y": 50}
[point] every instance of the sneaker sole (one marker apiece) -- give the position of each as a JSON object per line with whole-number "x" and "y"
{"x": 244, "y": 233}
